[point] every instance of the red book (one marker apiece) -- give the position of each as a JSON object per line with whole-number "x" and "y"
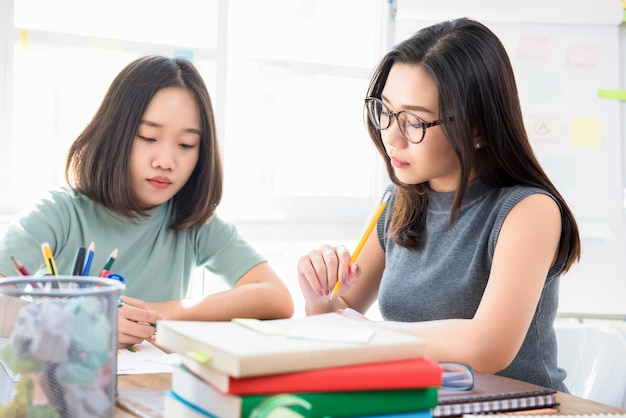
{"x": 396, "y": 374}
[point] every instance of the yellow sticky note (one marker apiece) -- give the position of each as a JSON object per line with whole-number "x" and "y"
{"x": 586, "y": 132}
{"x": 106, "y": 45}
{"x": 24, "y": 39}
{"x": 199, "y": 356}
{"x": 615, "y": 94}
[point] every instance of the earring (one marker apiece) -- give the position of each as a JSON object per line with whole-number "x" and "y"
{"x": 478, "y": 145}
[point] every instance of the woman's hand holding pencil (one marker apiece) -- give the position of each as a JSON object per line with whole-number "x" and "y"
{"x": 136, "y": 321}
{"x": 366, "y": 234}
{"x": 322, "y": 272}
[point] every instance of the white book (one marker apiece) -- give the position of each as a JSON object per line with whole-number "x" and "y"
{"x": 176, "y": 407}
{"x": 242, "y": 348}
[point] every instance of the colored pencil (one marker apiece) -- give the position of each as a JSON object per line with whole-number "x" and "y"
{"x": 50, "y": 263}
{"x": 22, "y": 271}
{"x": 49, "y": 259}
{"x": 89, "y": 259}
{"x": 109, "y": 263}
{"x": 20, "y": 267}
{"x": 359, "y": 246}
{"x": 79, "y": 262}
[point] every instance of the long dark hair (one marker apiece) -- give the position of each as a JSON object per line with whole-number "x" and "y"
{"x": 476, "y": 85}
{"x": 97, "y": 163}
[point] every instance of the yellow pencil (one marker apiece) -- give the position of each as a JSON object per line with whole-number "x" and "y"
{"x": 49, "y": 260}
{"x": 359, "y": 246}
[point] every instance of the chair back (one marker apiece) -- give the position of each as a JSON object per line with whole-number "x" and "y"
{"x": 594, "y": 356}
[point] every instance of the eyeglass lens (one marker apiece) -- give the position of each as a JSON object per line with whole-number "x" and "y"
{"x": 410, "y": 126}
{"x": 456, "y": 376}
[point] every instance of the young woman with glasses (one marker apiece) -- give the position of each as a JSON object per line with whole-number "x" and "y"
{"x": 469, "y": 249}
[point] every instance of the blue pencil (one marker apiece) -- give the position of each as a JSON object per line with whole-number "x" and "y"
{"x": 89, "y": 259}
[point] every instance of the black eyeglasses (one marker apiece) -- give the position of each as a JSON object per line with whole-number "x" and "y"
{"x": 456, "y": 376}
{"x": 412, "y": 127}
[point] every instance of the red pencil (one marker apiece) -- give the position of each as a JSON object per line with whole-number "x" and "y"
{"x": 20, "y": 267}
{"x": 22, "y": 271}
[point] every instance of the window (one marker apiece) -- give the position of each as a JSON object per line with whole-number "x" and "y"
{"x": 287, "y": 79}
{"x": 62, "y": 64}
{"x": 294, "y": 118}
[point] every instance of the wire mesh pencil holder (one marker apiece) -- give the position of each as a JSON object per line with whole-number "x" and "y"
{"x": 58, "y": 346}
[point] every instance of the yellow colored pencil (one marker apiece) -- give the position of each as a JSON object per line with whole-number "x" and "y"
{"x": 359, "y": 246}
{"x": 49, "y": 260}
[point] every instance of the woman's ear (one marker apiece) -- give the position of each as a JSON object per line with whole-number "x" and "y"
{"x": 478, "y": 144}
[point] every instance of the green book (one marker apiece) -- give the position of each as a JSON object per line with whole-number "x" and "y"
{"x": 203, "y": 396}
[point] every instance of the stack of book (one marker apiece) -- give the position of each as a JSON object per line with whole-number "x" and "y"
{"x": 337, "y": 366}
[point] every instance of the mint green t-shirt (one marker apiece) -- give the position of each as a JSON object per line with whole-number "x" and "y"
{"x": 155, "y": 260}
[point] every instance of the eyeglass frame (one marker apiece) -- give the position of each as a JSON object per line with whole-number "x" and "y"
{"x": 424, "y": 124}
{"x": 447, "y": 382}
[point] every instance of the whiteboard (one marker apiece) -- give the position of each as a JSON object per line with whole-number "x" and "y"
{"x": 563, "y": 53}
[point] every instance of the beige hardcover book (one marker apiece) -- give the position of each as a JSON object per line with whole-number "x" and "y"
{"x": 247, "y": 347}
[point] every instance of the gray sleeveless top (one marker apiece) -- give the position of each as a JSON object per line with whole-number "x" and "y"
{"x": 447, "y": 278}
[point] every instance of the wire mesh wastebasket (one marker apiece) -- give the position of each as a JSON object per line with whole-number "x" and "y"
{"x": 58, "y": 346}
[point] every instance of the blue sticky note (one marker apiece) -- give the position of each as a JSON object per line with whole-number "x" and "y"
{"x": 544, "y": 87}
{"x": 184, "y": 52}
{"x": 561, "y": 170}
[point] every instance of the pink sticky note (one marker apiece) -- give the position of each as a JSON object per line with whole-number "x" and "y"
{"x": 544, "y": 128}
{"x": 533, "y": 47}
{"x": 583, "y": 55}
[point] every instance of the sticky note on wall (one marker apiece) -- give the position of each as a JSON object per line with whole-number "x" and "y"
{"x": 24, "y": 39}
{"x": 184, "y": 52}
{"x": 533, "y": 47}
{"x": 585, "y": 132}
{"x": 544, "y": 87}
{"x": 594, "y": 228}
{"x": 544, "y": 128}
{"x": 561, "y": 170}
{"x": 615, "y": 94}
{"x": 588, "y": 55}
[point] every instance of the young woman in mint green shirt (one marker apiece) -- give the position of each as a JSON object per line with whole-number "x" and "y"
{"x": 145, "y": 177}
